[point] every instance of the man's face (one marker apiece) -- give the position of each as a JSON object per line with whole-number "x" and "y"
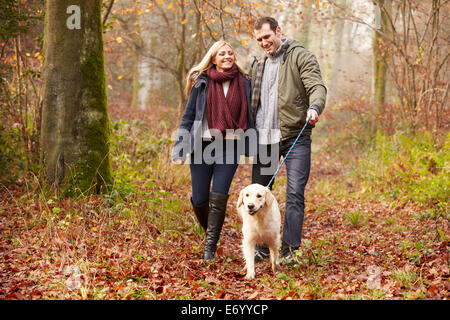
{"x": 267, "y": 39}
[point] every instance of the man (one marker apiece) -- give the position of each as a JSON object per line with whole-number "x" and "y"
{"x": 287, "y": 88}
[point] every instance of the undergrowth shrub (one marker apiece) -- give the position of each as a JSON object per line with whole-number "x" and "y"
{"x": 12, "y": 161}
{"x": 409, "y": 168}
{"x": 395, "y": 162}
{"x": 144, "y": 177}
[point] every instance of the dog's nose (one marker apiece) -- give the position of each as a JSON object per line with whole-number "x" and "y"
{"x": 251, "y": 206}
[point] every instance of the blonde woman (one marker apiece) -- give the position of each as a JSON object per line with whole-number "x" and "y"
{"x": 219, "y": 102}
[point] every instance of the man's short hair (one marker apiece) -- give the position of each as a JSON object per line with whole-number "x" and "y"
{"x": 262, "y": 20}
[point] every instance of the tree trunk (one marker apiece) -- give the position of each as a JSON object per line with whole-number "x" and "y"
{"x": 303, "y": 35}
{"x": 337, "y": 54}
{"x": 145, "y": 79}
{"x": 379, "y": 63}
{"x": 181, "y": 68}
{"x": 75, "y": 122}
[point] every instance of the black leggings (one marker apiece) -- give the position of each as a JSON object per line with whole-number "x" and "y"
{"x": 220, "y": 171}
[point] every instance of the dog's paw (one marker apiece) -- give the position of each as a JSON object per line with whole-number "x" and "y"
{"x": 250, "y": 275}
{"x": 275, "y": 268}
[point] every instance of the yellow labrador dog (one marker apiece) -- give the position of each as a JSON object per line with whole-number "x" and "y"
{"x": 261, "y": 222}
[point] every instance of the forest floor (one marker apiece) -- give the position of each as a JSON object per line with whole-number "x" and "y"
{"x": 148, "y": 246}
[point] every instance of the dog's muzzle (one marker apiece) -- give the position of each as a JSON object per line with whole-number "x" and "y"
{"x": 251, "y": 209}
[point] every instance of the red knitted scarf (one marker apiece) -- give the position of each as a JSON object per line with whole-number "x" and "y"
{"x": 228, "y": 112}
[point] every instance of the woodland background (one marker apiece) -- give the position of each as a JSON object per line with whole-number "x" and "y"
{"x": 377, "y": 217}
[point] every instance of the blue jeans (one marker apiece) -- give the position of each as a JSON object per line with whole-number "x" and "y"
{"x": 298, "y": 165}
{"x": 221, "y": 174}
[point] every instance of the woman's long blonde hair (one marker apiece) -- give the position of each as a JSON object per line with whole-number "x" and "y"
{"x": 206, "y": 63}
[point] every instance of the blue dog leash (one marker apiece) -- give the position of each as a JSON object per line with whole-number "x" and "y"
{"x": 284, "y": 158}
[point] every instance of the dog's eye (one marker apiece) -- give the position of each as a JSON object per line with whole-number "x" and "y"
{"x": 246, "y": 194}
{"x": 258, "y": 196}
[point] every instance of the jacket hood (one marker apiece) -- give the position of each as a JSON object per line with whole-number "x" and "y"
{"x": 202, "y": 79}
{"x": 292, "y": 45}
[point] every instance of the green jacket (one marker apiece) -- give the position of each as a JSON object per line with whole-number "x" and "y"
{"x": 300, "y": 86}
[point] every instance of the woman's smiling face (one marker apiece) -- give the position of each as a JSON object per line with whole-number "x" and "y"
{"x": 224, "y": 58}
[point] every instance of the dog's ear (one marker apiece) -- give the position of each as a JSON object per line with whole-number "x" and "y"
{"x": 269, "y": 198}
{"x": 240, "y": 201}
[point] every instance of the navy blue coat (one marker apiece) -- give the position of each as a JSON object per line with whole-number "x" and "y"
{"x": 189, "y": 135}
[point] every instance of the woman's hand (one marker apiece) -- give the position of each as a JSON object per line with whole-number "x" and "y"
{"x": 178, "y": 161}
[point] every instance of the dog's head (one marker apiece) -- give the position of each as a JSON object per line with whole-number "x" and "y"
{"x": 254, "y": 197}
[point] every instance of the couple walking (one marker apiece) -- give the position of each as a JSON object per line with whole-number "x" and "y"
{"x": 285, "y": 89}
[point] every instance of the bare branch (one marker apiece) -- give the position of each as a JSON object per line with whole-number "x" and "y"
{"x": 168, "y": 24}
{"x": 105, "y": 17}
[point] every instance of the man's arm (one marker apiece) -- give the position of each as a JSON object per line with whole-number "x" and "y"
{"x": 312, "y": 80}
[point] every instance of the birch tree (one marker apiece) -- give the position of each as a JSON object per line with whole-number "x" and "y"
{"x": 145, "y": 78}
